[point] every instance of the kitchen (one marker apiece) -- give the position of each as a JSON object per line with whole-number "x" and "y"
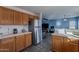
{"x": 14, "y": 33}
{"x": 43, "y": 29}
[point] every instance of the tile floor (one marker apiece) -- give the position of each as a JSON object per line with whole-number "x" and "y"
{"x": 44, "y": 46}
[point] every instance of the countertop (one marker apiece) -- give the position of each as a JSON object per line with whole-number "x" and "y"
{"x": 12, "y": 35}
{"x": 71, "y": 36}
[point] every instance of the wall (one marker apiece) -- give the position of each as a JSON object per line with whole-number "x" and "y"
{"x": 60, "y": 23}
{"x": 8, "y": 29}
{"x": 78, "y": 23}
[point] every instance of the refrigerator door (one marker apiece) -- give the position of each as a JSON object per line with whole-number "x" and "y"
{"x": 40, "y": 28}
{"x": 38, "y": 31}
{"x": 36, "y": 23}
{"x": 37, "y": 38}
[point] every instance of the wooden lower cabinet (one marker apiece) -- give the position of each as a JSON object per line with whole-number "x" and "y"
{"x": 16, "y": 43}
{"x": 70, "y": 46}
{"x": 57, "y": 42}
{"x": 28, "y": 40}
{"x": 20, "y": 42}
{"x": 23, "y": 41}
{"x": 64, "y": 44}
{"x": 7, "y": 45}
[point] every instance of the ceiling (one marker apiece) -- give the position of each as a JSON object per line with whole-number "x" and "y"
{"x": 53, "y": 12}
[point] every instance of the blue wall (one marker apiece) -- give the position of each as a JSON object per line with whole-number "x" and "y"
{"x": 60, "y": 23}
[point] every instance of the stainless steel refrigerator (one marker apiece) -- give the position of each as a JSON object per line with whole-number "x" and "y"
{"x": 36, "y": 28}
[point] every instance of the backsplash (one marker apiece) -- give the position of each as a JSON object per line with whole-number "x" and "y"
{"x": 8, "y": 29}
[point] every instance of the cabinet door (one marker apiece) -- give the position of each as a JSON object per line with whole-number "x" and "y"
{"x": 36, "y": 17}
{"x": 20, "y": 42}
{"x": 28, "y": 39}
{"x": 57, "y": 42}
{"x": 7, "y": 44}
{"x": 6, "y": 16}
{"x": 70, "y": 46}
{"x": 25, "y": 19}
{"x": 17, "y": 18}
{"x": 11, "y": 17}
{"x": 31, "y": 18}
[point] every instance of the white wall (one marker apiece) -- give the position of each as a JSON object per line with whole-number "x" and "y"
{"x": 8, "y": 29}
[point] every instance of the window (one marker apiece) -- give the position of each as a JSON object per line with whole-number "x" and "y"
{"x": 58, "y": 23}
{"x": 72, "y": 24}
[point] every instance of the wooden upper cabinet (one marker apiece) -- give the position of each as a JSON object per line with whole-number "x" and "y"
{"x": 36, "y": 17}
{"x": 17, "y": 18}
{"x": 6, "y": 16}
{"x": 31, "y": 18}
{"x": 20, "y": 18}
{"x": 25, "y": 18}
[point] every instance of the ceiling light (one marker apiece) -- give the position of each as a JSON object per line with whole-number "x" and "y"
{"x": 65, "y": 19}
